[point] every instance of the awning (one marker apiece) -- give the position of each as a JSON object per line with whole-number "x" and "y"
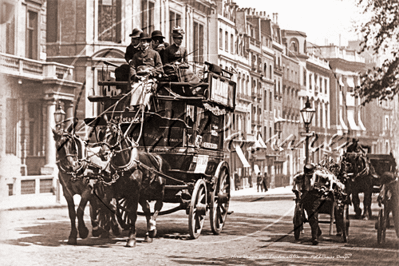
{"x": 262, "y": 142}
{"x": 241, "y": 156}
{"x": 349, "y": 81}
{"x": 340, "y": 82}
{"x": 341, "y": 120}
{"x": 359, "y": 119}
{"x": 334, "y": 139}
{"x": 317, "y": 148}
{"x": 299, "y": 143}
{"x": 351, "y": 120}
{"x": 292, "y": 136}
{"x": 275, "y": 136}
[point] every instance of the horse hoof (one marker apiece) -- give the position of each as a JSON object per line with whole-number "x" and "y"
{"x": 72, "y": 241}
{"x": 83, "y": 232}
{"x": 105, "y": 234}
{"x": 116, "y": 231}
{"x": 152, "y": 233}
{"x": 130, "y": 243}
{"x": 96, "y": 232}
{"x": 148, "y": 239}
{"x": 365, "y": 218}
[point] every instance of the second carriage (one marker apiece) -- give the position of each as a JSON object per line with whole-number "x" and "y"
{"x": 334, "y": 201}
{"x": 184, "y": 123}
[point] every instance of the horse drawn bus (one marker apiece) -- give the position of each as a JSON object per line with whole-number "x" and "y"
{"x": 162, "y": 140}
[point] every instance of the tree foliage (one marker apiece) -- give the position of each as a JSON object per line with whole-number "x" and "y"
{"x": 381, "y": 35}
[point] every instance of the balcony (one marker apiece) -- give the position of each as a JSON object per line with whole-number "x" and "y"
{"x": 34, "y": 69}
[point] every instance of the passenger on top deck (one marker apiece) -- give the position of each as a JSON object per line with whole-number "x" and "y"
{"x": 158, "y": 43}
{"x": 146, "y": 61}
{"x": 122, "y": 73}
{"x": 176, "y": 54}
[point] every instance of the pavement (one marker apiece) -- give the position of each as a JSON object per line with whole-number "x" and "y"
{"x": 48, "y": 200}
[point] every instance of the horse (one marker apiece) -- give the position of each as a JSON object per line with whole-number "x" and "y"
{"x": 74, "y": 181}
{"x": 359, "y": 179}
{"x": 137, "y": 183}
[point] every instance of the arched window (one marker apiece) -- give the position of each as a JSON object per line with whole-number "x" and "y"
{"x": 294, "y": 47}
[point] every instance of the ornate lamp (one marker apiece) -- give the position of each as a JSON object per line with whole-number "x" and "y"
{"x": 59, "y": 116}
{"x": 307, "y": 115}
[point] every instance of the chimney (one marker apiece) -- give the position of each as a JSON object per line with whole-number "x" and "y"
{"x": 276, "y": 18}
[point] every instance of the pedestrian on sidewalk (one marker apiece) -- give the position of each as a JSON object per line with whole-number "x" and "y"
{"x": 236, "y": 181}
{"x": 265, "y": 181}
{"x": 259, "y": 185}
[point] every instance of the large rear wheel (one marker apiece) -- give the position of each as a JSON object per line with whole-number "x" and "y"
{"x": 197, "y": 210}
{"x": 219, "y": 202}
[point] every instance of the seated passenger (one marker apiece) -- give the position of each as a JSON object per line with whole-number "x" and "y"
{"x": 122, "y": 72}
{"x": 158, "y": 43}
{"x": 176, "y": 54}
{"x": 147, "y": 61}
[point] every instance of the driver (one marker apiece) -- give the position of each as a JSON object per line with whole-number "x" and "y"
{"x": 146, "y": 61}
{"x": 311, "y": 201}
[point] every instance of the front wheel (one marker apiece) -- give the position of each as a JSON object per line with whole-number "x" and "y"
{"x": 219, "y": 202}
{"x": 197, "y": 207}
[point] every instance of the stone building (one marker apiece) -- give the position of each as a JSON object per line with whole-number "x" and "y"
{"x": 32, "y": 90}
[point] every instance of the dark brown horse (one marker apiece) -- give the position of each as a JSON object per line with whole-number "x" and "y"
{"x": 359, "y": 180}
{"x": 136, "y": 183}
{"x": 75, "y": 181}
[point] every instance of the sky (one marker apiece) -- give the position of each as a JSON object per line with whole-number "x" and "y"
{"x": 323, "y": 21}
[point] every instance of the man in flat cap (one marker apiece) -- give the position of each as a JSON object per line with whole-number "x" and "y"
{"x": 158, "y": 44}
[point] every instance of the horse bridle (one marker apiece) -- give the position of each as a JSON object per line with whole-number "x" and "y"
{"x": 80, "y": 169}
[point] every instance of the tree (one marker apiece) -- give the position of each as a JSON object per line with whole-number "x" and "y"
{"x": 381, "y": 35}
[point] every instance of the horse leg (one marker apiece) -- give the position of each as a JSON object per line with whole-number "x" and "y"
{"x": 356, "y": 204}
{"x": 72, "y": 217}
{"x": 157, "y": 208}
{"x": 134, "y": 202}
{"x": 85, "y": 196}
{"x": 145, "y": 205}
{"x": 367, "y": 205}
{"x": 94, "y": 216}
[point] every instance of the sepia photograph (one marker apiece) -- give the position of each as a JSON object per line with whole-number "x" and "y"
{"x": 199, "y": 132}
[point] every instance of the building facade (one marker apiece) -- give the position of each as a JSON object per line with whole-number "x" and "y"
{"x": 32, "y": 90}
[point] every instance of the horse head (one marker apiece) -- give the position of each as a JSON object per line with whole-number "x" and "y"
{"x": 124, "y": 150}
{"x": 68, "y": 148}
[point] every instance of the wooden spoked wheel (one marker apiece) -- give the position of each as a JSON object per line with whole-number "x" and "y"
{"x": 381, "y": 227}
{"x": 198, "y": 207}
{"x": 345, "y": 223}
{"x": 121, "y": 213}
{"x": 219, "y": 202}
{"x": 298, "y": 220}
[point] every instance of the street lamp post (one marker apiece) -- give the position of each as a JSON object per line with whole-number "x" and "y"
{"x": 59, "y": 116}
{"x": 307, "y": 115}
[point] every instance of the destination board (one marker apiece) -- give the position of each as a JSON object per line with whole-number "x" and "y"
{"x": 222, "y": 91}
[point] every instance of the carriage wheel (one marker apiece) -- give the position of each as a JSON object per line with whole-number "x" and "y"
{"x": 219, "y": 202}
{"x": 121, "y": 214}
{"x": 197, "y": 211}
{"x": 345, "y": 223}
{"x": 381, "y": 227}
{"x": 298, "y": 220}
